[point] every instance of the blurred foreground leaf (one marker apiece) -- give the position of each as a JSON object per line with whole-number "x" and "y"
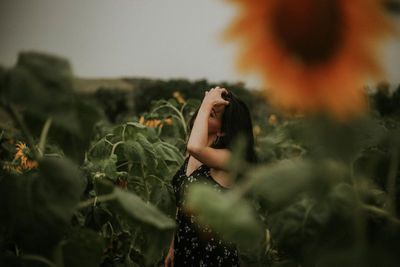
{"x": 229, "y": 215}
{"x": 40, "y": 87}
{"x": 278, "y": 184}
{"x": 83, "y": 248}
{"x": 36, "y": 207}
{"x": 141, "y": 211}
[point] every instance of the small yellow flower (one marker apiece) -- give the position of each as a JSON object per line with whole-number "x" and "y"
{"x": 256, "y": 130}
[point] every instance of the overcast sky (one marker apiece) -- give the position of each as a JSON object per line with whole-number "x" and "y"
{"x": 142, "y": 38}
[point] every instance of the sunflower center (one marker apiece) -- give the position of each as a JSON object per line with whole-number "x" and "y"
{"x": 309, "y": 29}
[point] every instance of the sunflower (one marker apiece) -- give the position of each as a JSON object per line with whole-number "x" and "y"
{"x": 312, "y": 55}
{"x": 178, "y": 97}
{"x": 272, "y": 119}
{"x": 256, "y": 130}
{"x": 24, "y": 162}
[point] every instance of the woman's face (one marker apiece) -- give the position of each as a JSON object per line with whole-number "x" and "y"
{"x": 215, "y": 119}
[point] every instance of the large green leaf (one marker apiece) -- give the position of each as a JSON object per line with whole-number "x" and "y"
{"x": 325, "y": 137}
{"x": 278, "y": 184}
{"x": 132, "y": 129}
{"x": 136, "y": 208}
{"x": 41, "y": 83}
{"x": 168, "y": 152}
{"x": 133, "y": 151}
{"x": 39, "y": 87}
{"x": 232, "y": 217}
{"x": 37, "y": 207}
{"x": 140, "y": 150}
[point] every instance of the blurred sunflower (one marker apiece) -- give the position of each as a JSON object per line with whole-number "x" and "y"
{"x": 178, "y": 97}
{"x": 272, "y": 119}
{"x": 155, "y": 123}
{"x": 256, "y": 130}
{"x": 312, "y": 55}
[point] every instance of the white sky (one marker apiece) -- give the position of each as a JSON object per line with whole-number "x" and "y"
{"x": 138, "y": 38}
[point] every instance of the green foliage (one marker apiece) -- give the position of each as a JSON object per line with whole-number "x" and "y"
{"x": 84, "y": 247}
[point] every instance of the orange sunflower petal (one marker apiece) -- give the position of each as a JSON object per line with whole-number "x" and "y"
{"x": 168, "y": 121}
{"x": 141, "y": 120}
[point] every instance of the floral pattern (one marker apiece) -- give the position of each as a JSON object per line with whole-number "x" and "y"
{"x": 197, "y": 245}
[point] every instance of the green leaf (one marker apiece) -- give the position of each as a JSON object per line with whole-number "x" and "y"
{"x": 278, "y": 184}
{"x": 133, "y": 151}
{"x": 40, "y": 83}
{"x": 140, "y": 150}
{"x": 100, "y": 150}
{"x": 132, "y": 129}
{"x": 234, "y": 219}
{"x": 109, "y": 167}
{"x": 168, "y": 152}
{"x": 40, "y": 87}
{"x": 136, "y": 125}
{"x": 83, "y": 247}
{"x": 141, "y": 211}
{"x": 105, "y": 167}
{"x": 161, "y": 197}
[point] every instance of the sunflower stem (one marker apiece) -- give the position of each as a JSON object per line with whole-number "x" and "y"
{"x": 391, "y": 181}
{"x": 101, "y": 198}
{"x": 38, "y": 258}
{"x": 43, "y": 135}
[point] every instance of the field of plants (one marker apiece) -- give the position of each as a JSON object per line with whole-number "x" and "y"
{"x": 85, "y": 179}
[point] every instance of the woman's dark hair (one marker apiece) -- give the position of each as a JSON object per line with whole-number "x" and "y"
{"x": 236, "y": 121}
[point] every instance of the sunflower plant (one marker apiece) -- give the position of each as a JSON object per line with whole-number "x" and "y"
{"x": 82, "y": 202}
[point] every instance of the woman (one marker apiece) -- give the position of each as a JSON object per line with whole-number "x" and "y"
{"x": 215, "y": 125}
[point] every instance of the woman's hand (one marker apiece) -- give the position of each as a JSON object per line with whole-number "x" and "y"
{"x": 214, "y": 96}
{"x": 169, "y": 260}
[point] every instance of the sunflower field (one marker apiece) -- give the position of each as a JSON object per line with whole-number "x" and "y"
{"x": 77, "y": 190}
{"x": 85, "y": 179}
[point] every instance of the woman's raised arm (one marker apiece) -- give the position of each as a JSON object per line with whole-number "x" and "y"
{"x": 199, "y": 143}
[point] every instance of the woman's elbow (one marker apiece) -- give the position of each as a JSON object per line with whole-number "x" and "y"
{"x": 193, "y": 150}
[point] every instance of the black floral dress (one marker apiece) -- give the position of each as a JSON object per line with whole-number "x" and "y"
{"x": 196, "y": 245}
